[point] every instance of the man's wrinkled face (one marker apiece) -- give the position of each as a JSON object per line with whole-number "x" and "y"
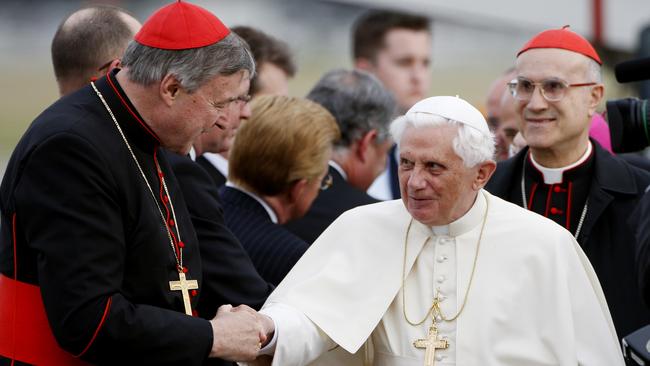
{"x": 560, "y": 124}
{"x": 404, "y": 65}
{"x": 229, "y": 108}
{"x": 436, "y": 187}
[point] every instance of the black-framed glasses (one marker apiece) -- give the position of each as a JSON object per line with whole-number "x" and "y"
{"x": 553, "y": 90}
{"x": 326, "y": 182}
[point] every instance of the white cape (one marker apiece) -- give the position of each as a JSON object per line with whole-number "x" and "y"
{"x": 535, "y": 299}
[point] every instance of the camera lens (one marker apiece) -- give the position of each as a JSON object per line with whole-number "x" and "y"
{"x": 628, "y": 123}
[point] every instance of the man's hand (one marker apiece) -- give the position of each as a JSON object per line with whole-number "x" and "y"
{"x": 238, "y": 333}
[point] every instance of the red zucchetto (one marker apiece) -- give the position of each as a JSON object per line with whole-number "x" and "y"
{"x": 562, "y": 38}
{"x": 181, "y": 26}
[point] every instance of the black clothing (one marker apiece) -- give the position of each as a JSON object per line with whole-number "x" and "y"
{"x": 88, "y": 232}
{"x": 229, "y": 276}
{"x": 273, "y": 249}
{"x": 328, "y": 206}
{"x": 218, "y": 178}
{"x": 606, "y": 237}
{"x": 641, "y": 219}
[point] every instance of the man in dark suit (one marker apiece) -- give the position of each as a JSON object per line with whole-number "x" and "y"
{"x": 363, "y": 109}
{"x": 277, "y": 166}
{"x": 274, "y": 67}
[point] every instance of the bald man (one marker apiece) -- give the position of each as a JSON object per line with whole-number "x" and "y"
{"x": 89, "y": 43}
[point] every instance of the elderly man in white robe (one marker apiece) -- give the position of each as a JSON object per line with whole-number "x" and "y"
{"x": 449, "y": 275}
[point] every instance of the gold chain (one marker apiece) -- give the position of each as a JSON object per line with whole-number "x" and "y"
{"x": 435, "y": 306}
{"x": 179, "y": 261}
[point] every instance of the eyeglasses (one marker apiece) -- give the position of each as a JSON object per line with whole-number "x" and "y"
{"x": 553, "y": 90}
{"x": 326, "y": 182}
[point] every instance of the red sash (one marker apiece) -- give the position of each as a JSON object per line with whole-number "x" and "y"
{"x": 25, "y": 333}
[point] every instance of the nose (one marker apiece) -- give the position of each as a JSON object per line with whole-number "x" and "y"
{"x": 245, "y": 111}
{"x": 416, "y": 180}
{"x": 537, "y": 101}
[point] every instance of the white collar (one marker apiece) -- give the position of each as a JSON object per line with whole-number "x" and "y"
{"x": 467, "y": 222}
{"x": 257, "y": 198}
{"x": 339, "y": 169}
{"x": 192, "y": 153}
{"x": 219, "y": 162}
{"x": 554, "y": 175}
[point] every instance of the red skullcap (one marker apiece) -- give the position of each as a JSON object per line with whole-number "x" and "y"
{"x": 181, "y": 26}
{"x": 562, "y": 38}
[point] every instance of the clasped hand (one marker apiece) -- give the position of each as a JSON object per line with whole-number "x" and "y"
{"x": 239, "y": 333}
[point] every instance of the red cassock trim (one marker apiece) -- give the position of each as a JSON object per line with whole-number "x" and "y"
{"x": 25, "y": 334}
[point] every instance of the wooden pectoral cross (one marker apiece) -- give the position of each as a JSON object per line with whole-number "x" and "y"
{"x": 183, "y": 285}
{"x": 431, "y": 343}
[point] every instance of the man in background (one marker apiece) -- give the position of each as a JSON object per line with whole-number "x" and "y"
{"x": 395, "y": 47}
{"x": 501, "y": 116}
{"x": 89, "y": 43}
{"x": 274, "y": 67}
{"x": 363, "y": 109}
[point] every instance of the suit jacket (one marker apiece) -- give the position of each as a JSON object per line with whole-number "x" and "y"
{"x": 218, "y": 178}
{"x": 229, "y": 275}
{"x": 329, "y": 205}
{"x": 607, "y": 236}
{"x": 273, "y": 249}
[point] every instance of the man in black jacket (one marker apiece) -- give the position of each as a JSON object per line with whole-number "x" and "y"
{"x": 363, "y": 109}
{"x": 569, "y": 178}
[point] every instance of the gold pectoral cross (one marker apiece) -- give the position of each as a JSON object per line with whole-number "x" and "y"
{"x": 183, "y": 285}
{"x": 431, "y": 343}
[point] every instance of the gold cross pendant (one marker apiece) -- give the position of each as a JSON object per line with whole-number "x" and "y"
{"x": 431, "y": 343}
{"x": 183, "y": 286}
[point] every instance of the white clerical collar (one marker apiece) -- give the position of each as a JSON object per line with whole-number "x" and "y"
{"x": 218, "y": 161}
{"x": 192, "y": 153}
{"x": 267, "y": 208}
{"x": 339, "y": 169}
{"x": 554, "y": 175}
{"x": 467, "y": 222}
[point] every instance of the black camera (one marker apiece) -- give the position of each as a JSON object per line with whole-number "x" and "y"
{"x": 628, "y": 118}
{"x": 628, "y": 124}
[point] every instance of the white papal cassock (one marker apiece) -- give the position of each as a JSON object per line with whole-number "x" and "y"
{"x": 534, "y": 299}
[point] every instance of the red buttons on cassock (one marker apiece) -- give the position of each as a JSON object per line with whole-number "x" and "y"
{"x": 555, "y": 211}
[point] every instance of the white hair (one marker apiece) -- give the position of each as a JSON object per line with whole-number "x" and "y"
{"x": 471, "y": 145}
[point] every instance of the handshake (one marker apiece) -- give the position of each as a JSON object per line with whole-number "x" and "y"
{"x": 239, "y": 333}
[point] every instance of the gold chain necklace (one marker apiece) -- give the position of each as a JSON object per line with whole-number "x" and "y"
{"x": 435, "y": 306}
{"x": 178, "y": 257}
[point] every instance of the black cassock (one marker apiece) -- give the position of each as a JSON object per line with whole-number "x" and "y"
{"x": 79, "y": 222}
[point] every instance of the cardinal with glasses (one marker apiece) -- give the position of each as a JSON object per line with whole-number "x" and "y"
{"x": 448, "y": 275}
{"x": 568, "y": 177}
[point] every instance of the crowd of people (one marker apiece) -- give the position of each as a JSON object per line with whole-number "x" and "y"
{"x": 176, "y": 207}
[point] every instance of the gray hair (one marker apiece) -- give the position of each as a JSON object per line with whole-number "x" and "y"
{"x": 358, "y": 101}
{"x": 594, "y": 72}
{"x": 192, "y": 67}
{"x": 470, "y": 144}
